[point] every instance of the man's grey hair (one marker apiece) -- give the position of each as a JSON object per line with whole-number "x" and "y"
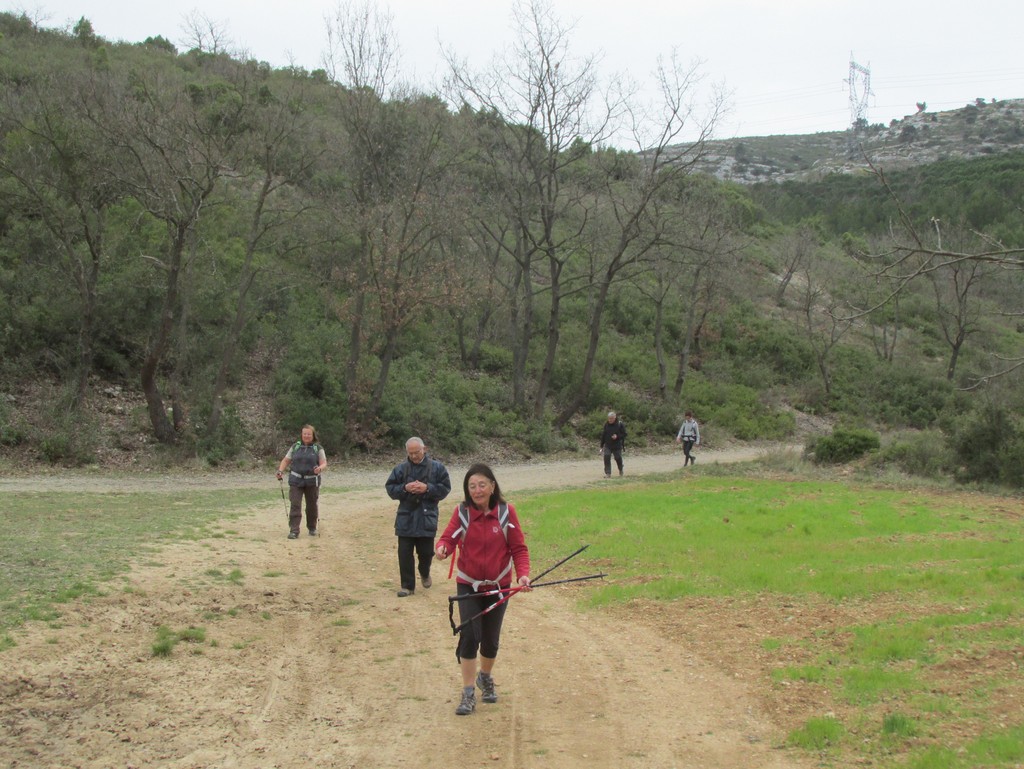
{"x": 416, "y": 441}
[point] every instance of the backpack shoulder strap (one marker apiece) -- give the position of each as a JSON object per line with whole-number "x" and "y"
{"x": 464, "y": 520}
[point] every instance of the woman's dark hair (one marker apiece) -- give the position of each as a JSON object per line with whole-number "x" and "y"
{"x": 481, "y": 469}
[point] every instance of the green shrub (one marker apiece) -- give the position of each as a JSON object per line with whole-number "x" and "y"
{"x": 495, "y": 360}
{"x": 68, "y": 437}
{"x": 229, "y": 440}
{"x": 843, "y": 445}
{"x": 927, "y": 454}
{"x": 11, "y": 433}
{"x": 735, "y": 410}
{"x": 989, "y": 447}
{"x": 437, "y": 404}
{"x": 309, "y": 392}
{"x": 765, "y": 348}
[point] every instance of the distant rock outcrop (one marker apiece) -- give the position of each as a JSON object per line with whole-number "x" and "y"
{"x": 979, "y": 128}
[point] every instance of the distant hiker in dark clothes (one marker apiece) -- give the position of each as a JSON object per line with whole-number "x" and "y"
{"x": 491, "y": 543}
{"x": 418, "y": 484}
{"x": 304, "y": 462}
{"x": 613, "y": 440}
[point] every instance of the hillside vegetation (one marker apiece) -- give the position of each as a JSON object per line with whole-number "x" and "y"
{"x": 199, "y": 254}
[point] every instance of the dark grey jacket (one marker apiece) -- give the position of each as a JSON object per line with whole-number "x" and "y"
{"x": 417, "y": 513}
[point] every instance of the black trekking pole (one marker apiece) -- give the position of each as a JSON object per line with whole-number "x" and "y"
{"x": 456, "y": 629}
{"x": 287, "y": 512}
{"x": 516, "y": 589}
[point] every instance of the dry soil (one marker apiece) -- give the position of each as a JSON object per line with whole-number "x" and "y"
{"x": 310, "y": 659}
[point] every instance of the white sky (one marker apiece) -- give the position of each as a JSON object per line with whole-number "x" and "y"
{"x": 785, "y": 62}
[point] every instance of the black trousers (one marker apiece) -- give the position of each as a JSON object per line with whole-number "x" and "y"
{"x": 687, "y": 445}
{"x": 295, "y": 496}
{"x": 409, "y": 548}
{"x": 608, "y": 454}
{"x": 483, "y": 633}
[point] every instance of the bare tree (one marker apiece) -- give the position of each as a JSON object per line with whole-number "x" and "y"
{"x": 793, "y": 248}
{"x": 400, "y": 198}
{"x": 709, "y": 242}
{"x": 544, "y": 101}
{"x": 631, "y": 202}
{"x": 956, "y": 274}
{"x": 59, "y": 165}
{"x": 957, "y": 306}
{"x": 278, "y": 153}
{"x": 172, "y": 141}
{"x": 825, "y": 322}
{"x": 201, "y": 33}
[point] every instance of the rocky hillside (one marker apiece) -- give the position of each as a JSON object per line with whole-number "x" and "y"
{"x": 981, "y": 128}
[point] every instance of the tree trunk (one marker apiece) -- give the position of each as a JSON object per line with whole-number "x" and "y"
{"x": 583, "y": 391}
{"x": 245, "y": 281}
{"x": 688, "y": 337}
{"x": 386, "y": 357}
{"x": 659, "y": 348}
{"x": 553, "y": 330}
{"x": 522, "y": 330}
{"x": 162, "y": 427}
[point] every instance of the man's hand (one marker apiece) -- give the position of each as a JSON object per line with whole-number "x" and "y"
{"x": 416, "y": 487}
{"x": 280, "y": 474}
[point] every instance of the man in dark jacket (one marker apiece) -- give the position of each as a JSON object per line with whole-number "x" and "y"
{"x": 418, "y": 484}
{"x": 613, "y": 439}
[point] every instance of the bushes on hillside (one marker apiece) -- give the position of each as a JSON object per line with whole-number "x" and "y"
{"x": 927, "y": 454}
{"x": 989, "y": 447}
{"x": 736, "y": 410}
{"x": 843, "y": 445}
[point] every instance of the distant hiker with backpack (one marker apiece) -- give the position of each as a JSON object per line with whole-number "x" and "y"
{"x": 490, "y": 540}
{"x": 689, "y": 436}
{"x": 613, "y": 441}
{"x": 418, "y": 484}
{"x": 305, "y": 461}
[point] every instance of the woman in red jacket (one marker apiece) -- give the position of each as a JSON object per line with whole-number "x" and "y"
{"x": 486, "y": 529}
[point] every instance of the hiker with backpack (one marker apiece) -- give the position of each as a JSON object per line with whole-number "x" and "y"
{"x": 305, "y": 461}
{"x": 490, "y": 540}
{"x": 418, "y": 483}
{"x": 689, "y": 436}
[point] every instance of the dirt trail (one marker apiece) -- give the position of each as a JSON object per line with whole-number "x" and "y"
{"x": 311, "y": 660}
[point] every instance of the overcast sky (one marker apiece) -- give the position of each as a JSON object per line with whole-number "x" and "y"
{"x": 785, "y": 62}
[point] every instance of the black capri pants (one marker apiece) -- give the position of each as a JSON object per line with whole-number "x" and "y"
{"x": 483, "y": 633}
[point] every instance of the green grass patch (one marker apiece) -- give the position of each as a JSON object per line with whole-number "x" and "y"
{"x": 817, "y": 734}
{"x": 729, "y": 536}
{"x": 167, "y": 639}
{"x": 950, "y": 562}
{"x": 808, "y": 673}
{"x": 63, "y": 546}
{"x": 898, "y": 725}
